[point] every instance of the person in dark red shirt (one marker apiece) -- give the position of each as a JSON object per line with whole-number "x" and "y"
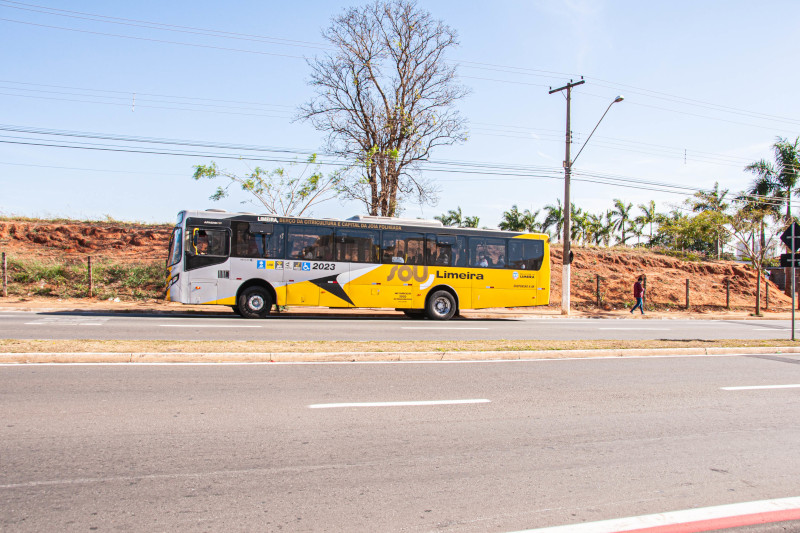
{"x": 638, "y": 293}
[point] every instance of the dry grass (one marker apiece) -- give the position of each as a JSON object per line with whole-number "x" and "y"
{"x": 347, "y": 347}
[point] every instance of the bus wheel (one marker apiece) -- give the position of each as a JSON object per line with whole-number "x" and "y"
{"x": 254, "y": 302}
{"x": 440, "y": 306}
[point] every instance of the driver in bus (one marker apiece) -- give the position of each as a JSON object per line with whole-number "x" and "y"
{"x": 202, "y": 243}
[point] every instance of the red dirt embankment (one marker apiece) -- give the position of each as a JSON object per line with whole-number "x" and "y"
{"x": 617, "y": 267}
{"x": 74, "y": 240}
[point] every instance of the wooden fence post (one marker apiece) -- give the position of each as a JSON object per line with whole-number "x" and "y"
{"x": 687, "y": 293}
{"x": 5, "y": 277}
{"x": 91, "y": 281}
{"x": 597, "y": 289}
{"x": 727, "y": 293}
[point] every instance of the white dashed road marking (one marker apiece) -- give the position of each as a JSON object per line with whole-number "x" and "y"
{"x": 395, "y": 404}
{"x": 762, "y": 387}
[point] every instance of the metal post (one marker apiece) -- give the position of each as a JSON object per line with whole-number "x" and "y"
{"x": 597, "y": 292}
{"x": 5, "y": 277}
{"x": 766, "y": 284}
{"x": 687, "y": 294}
{"x": 727, "y": 293}
{"x": 794, "y": 292}
{"x": 91, "y": 281}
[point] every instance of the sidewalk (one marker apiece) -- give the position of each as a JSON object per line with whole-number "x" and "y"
{"x": 530, "y": 313}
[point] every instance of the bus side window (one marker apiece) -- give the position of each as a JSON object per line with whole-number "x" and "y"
{"x": 525, "y": 254}
{"x": 310, "y": 243}
{"x": 208, "y": 242}
{"x": 356, "y": 245}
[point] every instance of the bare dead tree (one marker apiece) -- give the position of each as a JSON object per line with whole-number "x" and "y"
{"x": 386, "y": 98}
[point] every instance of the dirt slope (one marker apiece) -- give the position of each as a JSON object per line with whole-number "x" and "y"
{"x": 617, "y": 267}
{"x": 75, "y": 240}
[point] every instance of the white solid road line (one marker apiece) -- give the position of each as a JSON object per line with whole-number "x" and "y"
{"x": 63, "y": 324}
{"x": 204, "y": 326}
{"x": 703, "y": 519}
{"x": 422, "y": 327}
{"x": 634, "y": 328}
{"x": 395, "y": 404}
{"x": 762, "y": 387}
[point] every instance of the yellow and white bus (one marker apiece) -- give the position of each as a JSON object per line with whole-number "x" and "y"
{"x": 252, "y": 262}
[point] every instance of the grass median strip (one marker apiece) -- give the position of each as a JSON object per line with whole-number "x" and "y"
{"x": 222, "y": 347}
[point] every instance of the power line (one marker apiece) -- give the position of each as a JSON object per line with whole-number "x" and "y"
{"x": 159, "y": 25}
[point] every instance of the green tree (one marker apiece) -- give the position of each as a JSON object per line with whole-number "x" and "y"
{"x": 516, "y": 220}
{"x": 714, "y": 201}
{"x": 577, "y": 224}
{"x": 454, "y": 217}
{"x": 622, "y": 214}
{"x": 648, "y": 217}
{"x": 758, "y": 198}
{"x": 743, "y": 224}
{"x": 780, "y": 178}
{"x": 279, "y": 190}
{"x": 554, "y": 218}
{"x": 385, "y": 96}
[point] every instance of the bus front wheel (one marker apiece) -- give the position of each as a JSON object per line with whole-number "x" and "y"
{"x": 254, "y": 302}
{"x": 440, "y": 306}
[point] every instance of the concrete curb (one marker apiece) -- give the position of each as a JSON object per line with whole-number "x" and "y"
{"x": 340, "y": 357}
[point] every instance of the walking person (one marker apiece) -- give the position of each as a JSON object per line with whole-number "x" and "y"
{"x": 638, "y": 293}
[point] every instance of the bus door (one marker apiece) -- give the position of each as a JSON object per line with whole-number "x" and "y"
{"x": 530, "y": 285}
{"x": 309, "y": 263}
{"x": 255, "y": 247}
{"x": 207, "y": 250}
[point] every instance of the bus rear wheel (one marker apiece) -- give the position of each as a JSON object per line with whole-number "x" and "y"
{"x": 254, "y": 302}
{"x": 440, "y": 306}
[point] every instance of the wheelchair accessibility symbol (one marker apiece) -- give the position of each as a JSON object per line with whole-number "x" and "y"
{"x": 306, "y": 266}
{"x": 261, "y": 264}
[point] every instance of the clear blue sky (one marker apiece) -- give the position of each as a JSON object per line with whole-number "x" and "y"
{"x": 715, "y": 80}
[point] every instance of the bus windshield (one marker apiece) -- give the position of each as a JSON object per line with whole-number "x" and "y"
{"x": 175, "y": 243}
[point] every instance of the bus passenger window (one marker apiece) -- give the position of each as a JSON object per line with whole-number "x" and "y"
{"x": 525, "y": 254}
{"x": 310, "y": 243}
{"x": 403, "y": 247}
{"x": 487, "y": 252}
{"x": 356, "y": 246}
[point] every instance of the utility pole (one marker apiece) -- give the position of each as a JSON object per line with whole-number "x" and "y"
{"x": 565, "y": 273}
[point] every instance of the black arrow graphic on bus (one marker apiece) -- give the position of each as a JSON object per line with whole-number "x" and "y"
{"x": 330, "y": 284}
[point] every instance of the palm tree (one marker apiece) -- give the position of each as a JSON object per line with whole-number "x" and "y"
{"x": 712, "y": 201}
{"x": 451, "y": 218}
{"x": 621, "y": 214}
{"x": 554, "y": 218}
{"x": 757, "y": 198}
{"x": 577, "y": 225}
{"x": 516, "y": 220}
{"x": 454, "y": 217}
{"x": 470, "y": 222}
{"x": 648, "y": 216}
{"x": 781, "y": 178}
{"x": 608, "y": 228}
{"x": 594, "y": 228}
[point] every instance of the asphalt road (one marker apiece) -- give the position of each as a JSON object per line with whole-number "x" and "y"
{"x": 94, "y": 325}
{"x": 260, "y": 447}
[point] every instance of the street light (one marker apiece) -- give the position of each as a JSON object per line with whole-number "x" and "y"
{"x": 565, "y": 272}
